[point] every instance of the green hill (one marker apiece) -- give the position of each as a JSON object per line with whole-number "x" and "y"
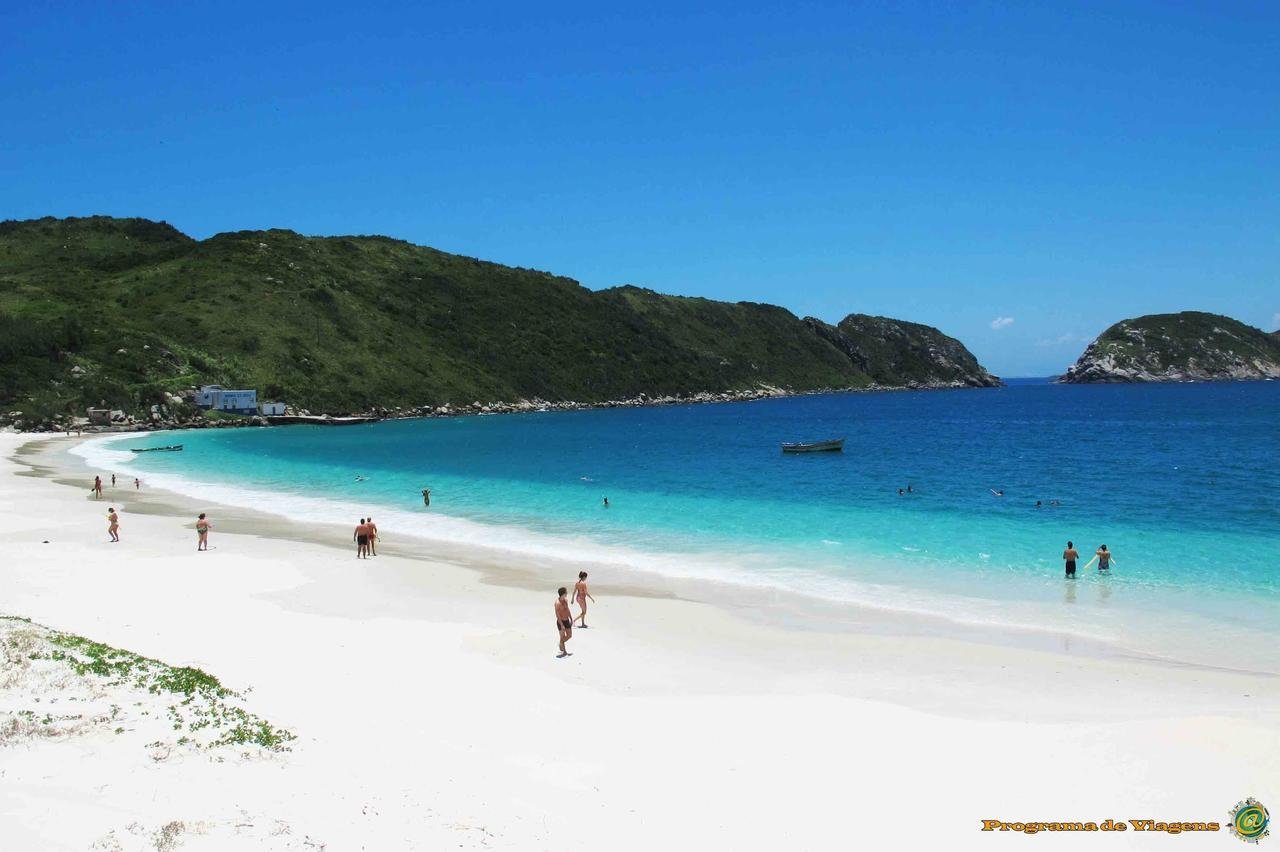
{"x": 120, "y": 311}
{"x": 1190, "y": 345}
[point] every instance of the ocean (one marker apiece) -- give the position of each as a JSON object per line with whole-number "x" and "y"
{"x": 1180, "y": 481}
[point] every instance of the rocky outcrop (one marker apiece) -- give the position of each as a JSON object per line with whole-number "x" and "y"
{"x": 896, "y": 353}
{"x": 1187, "y": 346}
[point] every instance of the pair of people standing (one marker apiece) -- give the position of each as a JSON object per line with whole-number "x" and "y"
{"x": 366, "y": 538}
{"x": 1102, "y": 556}
{"x": 564, "y": 617}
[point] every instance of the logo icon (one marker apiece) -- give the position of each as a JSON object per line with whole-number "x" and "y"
{"x": 1249, "y": 820}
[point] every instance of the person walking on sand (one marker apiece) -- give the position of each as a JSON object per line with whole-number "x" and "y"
{"x": 426, "y": 496}
{"x": 361, "y": 537}
{"x": 582, "y": 595}
{"x": 113, "y": 524}
{"x": 113, "y": 480}
{"x": 373, "y": 537}
{"x": 564, "y": 620}
{"x": 202, "y": 532}
{"x": 1070, "y": 555}
{"x": 97, "y": 488}
{"x": 137, "y": 484}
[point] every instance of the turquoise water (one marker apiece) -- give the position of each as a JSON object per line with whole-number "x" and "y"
{"x": 1179, "y": 480}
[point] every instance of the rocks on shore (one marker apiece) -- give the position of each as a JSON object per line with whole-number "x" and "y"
{"x": 1182, "y": 347}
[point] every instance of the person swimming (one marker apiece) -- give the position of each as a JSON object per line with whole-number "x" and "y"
{"x": 999, "y": 493}
{"x": 606, "y": 502}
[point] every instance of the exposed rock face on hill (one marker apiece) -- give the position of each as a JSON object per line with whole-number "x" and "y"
{"x": 896, "y": 353}
{"x": 1187, "y": 346}
{"x": 123, "y": 313}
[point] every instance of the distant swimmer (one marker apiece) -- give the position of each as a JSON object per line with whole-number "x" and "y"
{"x": 580, "y": 592}
{"x": 361, "y": 538}
{"x": 908, "y": 489}
{"x": 202, "y": 532}
{"x": 1055, "y": 502}
{"x": 901, "y": 492}
{"x": 1070, "y": 555}
{"x": 113, "y": 524}
{"x": 1038, "y": 506}
{"x": 373, "y": 537}
{"x": 426, "y": 496}
{"x": 564, "y": 620}
{"x": 999, "y": 493}
{"x": 606, "y": 502}
{"x": 361, "y": 478}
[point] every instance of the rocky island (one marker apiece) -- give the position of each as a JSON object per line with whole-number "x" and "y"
{"x": 1186, "y": 346}
{"x": 127, "y": 315}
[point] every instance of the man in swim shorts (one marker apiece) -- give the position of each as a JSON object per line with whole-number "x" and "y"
{"x": 564, "y": 620}
{"x": 361, "y": 538}
{"x": 1070, "y": 555}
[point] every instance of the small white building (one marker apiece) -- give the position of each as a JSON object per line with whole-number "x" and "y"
{"x": 218, "y": 398}
{"x": 271, "y": 409}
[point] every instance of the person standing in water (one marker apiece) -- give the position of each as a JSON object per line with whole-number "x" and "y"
{"x": 373, "y": 537}
{"x": 564, "y": 620}
{"x": 113, "y": 524}
{"x": 202, "y": 532}
{"x": 97, "y": 488}
{"x": 1070, "y": 555}
{"x": 580, "y": 592}
{"x": 426, "y": 496}
{"x": 1104, "y": 559}
{"x": 606, "y": 502}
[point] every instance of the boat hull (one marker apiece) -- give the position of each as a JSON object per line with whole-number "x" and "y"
{"x": 833, "y": 446}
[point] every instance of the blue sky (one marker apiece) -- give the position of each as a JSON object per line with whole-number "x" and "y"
{"x": 1020, "y": 175}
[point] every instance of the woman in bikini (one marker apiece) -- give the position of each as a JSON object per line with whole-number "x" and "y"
{"x": 113, "y": 524}
{"x": 202, "y": 532}
{"x": 582, "y": 595}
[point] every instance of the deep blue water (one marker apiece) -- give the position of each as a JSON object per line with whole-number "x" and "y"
{"x": 1180, "y": 481}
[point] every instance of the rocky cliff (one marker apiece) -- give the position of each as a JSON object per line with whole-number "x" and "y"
{"x": 1187, "y": 346}
{"x": 896, "y": 353}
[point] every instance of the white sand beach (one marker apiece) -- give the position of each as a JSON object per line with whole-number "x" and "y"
{"x": 430, "y": 710}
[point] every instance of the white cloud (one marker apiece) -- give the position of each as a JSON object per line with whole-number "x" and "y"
{"x": 1061, "y": 340}
{"x": 1001, "y": 322}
